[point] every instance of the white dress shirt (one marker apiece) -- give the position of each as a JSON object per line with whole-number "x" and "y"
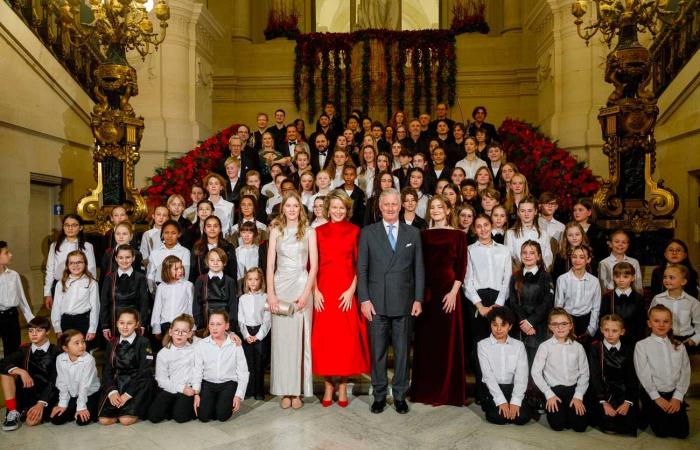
{"x": 605, "y": 272}
{"x": 12, "y": 293}
{"x": 470, "y": 167}
{"x": 149, "y": 242}
{"x": 422, "y": 204}
{"x": 579, "y": 296}
{"x": 252, "y": 312}
{"x": 219, "y": 364}
{"x": 662, "y": 367}
{"x": 686, "y": 314}
{"x": 488, "y": 266}
{"x": 56, "y": 262}
{"x": 269, "y": 189}
{"x": 174, "y": 368}
{"x": 81, "y": 296}
{"x": 76, "y": 379}
{"x": 503, "y": 363}
{"x": 560, "y": 364}
{"x": 172, "y": 299}
{"x": 155, "y": 263}
{"x": 246, "y": 258}
{"x": 190, "y": 213}
{"x": 553, "y": 228}
{"x": 224, "y": 211}
{"x": 394, "y": 231}
{"x": 515, "y": 243}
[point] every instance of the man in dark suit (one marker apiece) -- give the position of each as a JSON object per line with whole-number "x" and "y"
{"x": 414, "y": 142}
{"x": 390, "y": 283}
{"x": 479, "y": 114}
{"x": 262, "y": 128}
{"x": 234, "y": 181}
{"x": 246, "y": 160}
{"x": 441, "y": 113}
{"x": 292, "y": 144}
{"x": 320, "y": 155}
{"x": 278, "y": 130}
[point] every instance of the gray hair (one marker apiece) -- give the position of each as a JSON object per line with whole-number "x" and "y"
{"x": 387, "y": 193}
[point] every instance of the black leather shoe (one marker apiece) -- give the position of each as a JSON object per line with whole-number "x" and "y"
{"x": 401, "y": 406}
{"x": 378, "y": 406}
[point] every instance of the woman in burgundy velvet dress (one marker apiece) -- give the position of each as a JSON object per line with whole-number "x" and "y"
{"x": 438, "y": 356}
{"x": 339, "y": 335}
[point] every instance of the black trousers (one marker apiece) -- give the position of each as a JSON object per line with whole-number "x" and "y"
{"x": 256, "y": 357}
{"x": 216, "y": 401}
{"x": 9, "y": 330}
{"x": 619, "y": 424}
{"x": 478, "y": 328}
{"x": 566, "y": 417}
{"x": 93, "y": 404}
{"x": 691, "y": 349}
{"x": 28, "y": 397}
{"x": 664, "y": 424}
{"x": 80, "y": 322}
{"x": 491, "y": 409}
{"x": 166, "y": 406}
{"x": 382, "y": 330}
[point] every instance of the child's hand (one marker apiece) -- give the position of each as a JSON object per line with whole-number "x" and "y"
{"x": 609, "y": 410}
{"x": 124, "y": 398}
{"x": 188, "y": 391}
{"x": 514, "y": 411}
{"x": 48, "y": 302}
{"x": 663, "y": 404}
{"x": 235, "y": 339}
{"x": 57, "y": 411}
{"x": 196, "y": 404}
{"x": 158, "y": 336}
{"x": 553, "y": 404}
{"x": 251, "y": 339}
{"x": 674, "y": 406}
{"x": 107, "y": 334}
{"x": 449, "y": 301}
{"x": 27, "y": 380}
{"x": 35, "y": 414}
{"x": 83, "y": 415}
{"x": 89, "y": 336}
{"x": 623, "y": 409}
{"x": 690, "y": 342}
{"x": 115, "y": 400}
{"x": 318, "y": 301}
{"x": 236, "y": 403}
{"x": 504, "y": 410}
{"x": 578, "y": 406}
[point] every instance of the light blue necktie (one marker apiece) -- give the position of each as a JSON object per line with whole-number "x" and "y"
{"x": 392, "y": 239}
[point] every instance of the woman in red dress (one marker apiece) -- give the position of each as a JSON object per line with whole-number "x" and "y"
{"x": 438, "y": 356}
{"x": 339, "y": 336}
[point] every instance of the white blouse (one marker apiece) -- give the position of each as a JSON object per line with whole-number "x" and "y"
{"x": 56, "y": 262}
{"x": 76, "y": 379}
{"x": 174, "y": 368}
{"x": 172, "y": 299}
{"x": 81, "y": 296}
{"x": 252, "y": 312}
{"x": 560, "y": 364}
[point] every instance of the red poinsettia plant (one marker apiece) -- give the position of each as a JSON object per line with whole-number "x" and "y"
{"x": 178, "y": 176}
{"x": 546, "y": 166}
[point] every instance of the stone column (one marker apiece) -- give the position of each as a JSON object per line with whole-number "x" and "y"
{"x": 512, "y": 20}
{"x": 240, "y": 22}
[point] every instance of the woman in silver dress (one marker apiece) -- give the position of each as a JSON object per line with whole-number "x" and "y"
{"x": 292, "y": 263}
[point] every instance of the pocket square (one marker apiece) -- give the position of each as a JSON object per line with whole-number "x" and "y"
{"x": 409, "y": 244}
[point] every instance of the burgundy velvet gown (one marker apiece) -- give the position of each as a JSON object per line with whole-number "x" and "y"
{"x": 438, "y": 356}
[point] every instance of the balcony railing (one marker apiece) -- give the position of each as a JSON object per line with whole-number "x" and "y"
{"x": 43, "y": 17}
{"x": 673, "y": 48}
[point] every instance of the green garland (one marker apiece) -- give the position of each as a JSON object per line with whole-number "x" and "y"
{"x": 325, "y": 88}
{"x": 400, "y": 64}
{"x": 348, "y": 83}
{"x": 297, "y": 76}
{"x": 388, "y": 91}
{"x": 427, "y": 80}
{"x": 366, "y": 50}
{"x": 440, "y": 75}
{"x": 415, "y": 58}
{"x": 337, "y": 79}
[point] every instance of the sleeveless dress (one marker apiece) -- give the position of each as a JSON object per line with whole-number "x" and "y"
{"x": 339, "y": 338}
{"x": 291, "y": 335}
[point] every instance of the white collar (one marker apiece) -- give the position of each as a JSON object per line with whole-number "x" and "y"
{"x": 493, "y": 340}
{"x": 533, "y": 271}
{"x": 627, "y": 291}
{"x": 662, "y": 339}
{"x": 216, "y": 274}
{"x": 7, "y": 270}
{"x": 387, "y": 224}
{"x": 44, "y": 347}
{"x": 120, "y": 272}
{"x": 130, "y": 339}
{"x": 608, "y": 345}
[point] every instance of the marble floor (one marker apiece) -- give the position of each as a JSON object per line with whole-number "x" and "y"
{"x": 263, "y": 425}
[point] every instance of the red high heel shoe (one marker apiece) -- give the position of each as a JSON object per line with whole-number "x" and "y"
{"x": 344, "y": 403}
{"x": 327, "y": 403}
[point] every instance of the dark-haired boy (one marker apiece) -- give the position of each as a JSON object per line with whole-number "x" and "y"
{"x": 11, "y": 300}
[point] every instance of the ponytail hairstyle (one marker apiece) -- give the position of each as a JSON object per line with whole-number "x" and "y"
{"x": 62, "y": 234}
{"x": 561, "y": 312}
{"x": 66, "y": 336}
{"x": 185, "y": 318}
{"x": 66, "y": 271}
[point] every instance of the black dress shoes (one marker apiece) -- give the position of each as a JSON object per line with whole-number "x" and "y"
{"x": 401, "y": 406}
{"x": 378, "y": 406}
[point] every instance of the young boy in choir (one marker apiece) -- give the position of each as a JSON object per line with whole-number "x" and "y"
{"x": 174, "y": 370}
{"x": 215, "y": 291}
{"x": 504, "y": 369}
{"x": 196, "y": 195}
{"x": 626, "y": 303}
{"x": 686, "y": 317}
{"x": 548, "y": 204}
{"x": 619, "y": 243}
{"x": 527, "y": 228}
{"x": 176, "y": 208}
{"x": 490, "y": 198}
{"x": 560, "y": 371}
{"x": 125, "y": 287}
{"x": 28, "y": 377}
{"x": 499, "y": 223}
{"x": 77, "y": 300}
{"x": 223, "y": 209}
{"x": 152, "y": 239}
{"x": 123, "y": 234}
{"x": 220, "y": 375}
{"x": 77, "y": 382}
{"x": 170, "y": 233}
{"x": 612, "y": 396}
{"x": 12, "y": 300}
{"x": 663, "y": 369}
{"x": 71, "y": 238}
{"x": 248, "y": 253}
{"x": 578, "y": 292}
{"x": 174, "y": 297}
{"x": 127, "y": 378}
{"x": 255, "y": 322}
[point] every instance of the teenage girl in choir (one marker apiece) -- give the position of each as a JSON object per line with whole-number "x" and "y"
{"x": 627, "y": 303}
{"x": 548, "y": 204}
{"x": 76, "y": 301}
{"x": 127, "y": 379}
{"x": 174, "y": 371}
{"x": 416, "y": 179}
{"x": 255, "y": 321}
{"x": 457, "y": 176}
{"x": 676, "y": 252}
{"x": 215, "y": 290}
{"x": 619, "y": 243}
{"x": 686, "y": 309}
{"x": 248, "y": 213}
{"x": 176, "y": 206}
{"x": 223, "y": 209}
{"x": 306, "y": 188}
{"x": 382, "y": 180}
{"x": 323, "y": 185}
{"x": 170, "y": 233}
{"x": 614, "y": 388}
{"x": 490, "y": 198}
{"x": 499, "y": 224}
{"x": 573, "y": 236}
{"x": 151, "y": 239}
{"x": 484, "y": 179}
{"x": 452, "y": 194}
{"x": 335, "y": 167}
{"x": 465, "y": 214}
{"x": 384, "y": 165}
{"x": 663, "y": 369}
{"x": 117, "y": 215}
{"x": 508, "y": 171}
{"x": 249, "y": 254}
{"x": 440, "y": 185}
{"x": 220, "y": 375}
{"x": 583, "y": 214}
{"x": 125, "y": 287}
{"x": 560, "y": 371}
{"x": 196, "y": 195}
{"x": 527, "y": 228}
{"x": 318, "y": 216}
{"x": 205, "y": 208}
{"x": 70, "y": 239}
{"x": 11, "y": 302}
{"x": 77, "y": 382}
{"x": 578, "y": 292}
{"x": 518, "y": 191}
{"x": 212, "y": 238}
{"x": 123, "y": 234}
{"x": 174, "y": 296}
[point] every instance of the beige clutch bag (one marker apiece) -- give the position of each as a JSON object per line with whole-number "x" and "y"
{"x": 285, "y": 309}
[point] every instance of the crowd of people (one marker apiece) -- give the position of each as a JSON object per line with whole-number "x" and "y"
{"x": 311, "y": 255}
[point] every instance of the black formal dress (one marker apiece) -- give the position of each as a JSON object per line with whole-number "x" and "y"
{"x": 120, "y": 292}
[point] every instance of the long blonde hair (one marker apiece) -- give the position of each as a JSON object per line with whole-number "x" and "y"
{"x": 303, "y": 218}
{"x": 510, "y": 196}
{"x": 451, "y": 219}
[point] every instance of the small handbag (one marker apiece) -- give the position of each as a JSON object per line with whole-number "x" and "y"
{"x": 285, "y": 309}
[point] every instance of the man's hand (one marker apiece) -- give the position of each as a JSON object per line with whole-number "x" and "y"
{"x": 417, "y": 309}
{"x": 367, "y": 310}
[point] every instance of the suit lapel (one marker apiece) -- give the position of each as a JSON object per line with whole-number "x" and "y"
{"x": 384, "y": 239}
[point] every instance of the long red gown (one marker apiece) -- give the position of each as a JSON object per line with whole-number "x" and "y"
{"x": 339, "y": 345}
{"x": 438, "y": 356}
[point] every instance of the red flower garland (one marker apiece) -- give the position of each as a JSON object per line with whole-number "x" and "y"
{"x": 546, "y": 166}
{"x": 181, "y": 173}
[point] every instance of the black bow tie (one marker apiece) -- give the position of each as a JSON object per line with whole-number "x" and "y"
{"x": 124, "y": 343}
{"x": 623, "y": 296}
{"x": 613, "y": 350}
{"x": 292, "y": 142}
{"x": 529, "y": 275}
{"x": 323, "y": 152}
{"x": 39, "y": 352}
{"x": 124, "y": 276}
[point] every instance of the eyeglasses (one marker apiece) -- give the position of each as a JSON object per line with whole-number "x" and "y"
{"x": 559, "y": 324}
{"x": 181, "y": 332}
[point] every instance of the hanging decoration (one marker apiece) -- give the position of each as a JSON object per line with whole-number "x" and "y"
{"x": 469, "y": 16}
{"x": 384, "y": 56}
